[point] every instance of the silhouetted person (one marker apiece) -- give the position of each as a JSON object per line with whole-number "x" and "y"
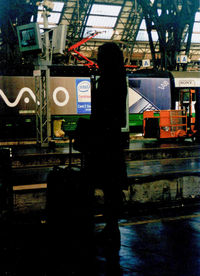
{"x": 108, "y": 116}
{"x": 197, "y": 121}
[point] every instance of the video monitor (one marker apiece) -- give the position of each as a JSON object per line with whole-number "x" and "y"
{"x": 29, "y": 37}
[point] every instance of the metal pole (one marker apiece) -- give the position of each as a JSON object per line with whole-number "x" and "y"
{"x": 48, "y": 104}
{"x": 47, "y": 78}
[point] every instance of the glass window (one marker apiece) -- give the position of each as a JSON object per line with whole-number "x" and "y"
{"x": 103, "y": 33}
{"x": 195, "y": 38}
{"x": 143, "y": 36}
{"x": 196, "y": 28}
{"x": 101, "y": 21}
{"x": 197, "y": 16}
{"x": 102, "y": 18}
{"x": 105, "y": 10}
{"x": 54, "y": 16}
{"x": 143, "y": 25}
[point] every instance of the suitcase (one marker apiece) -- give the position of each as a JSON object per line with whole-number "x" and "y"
{"x": 6, "y": 191}
{"x": 68, "y": 192}
{"x": 69, "y": 216}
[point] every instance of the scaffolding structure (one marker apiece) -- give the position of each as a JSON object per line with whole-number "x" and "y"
{"x": 43, "y": 120}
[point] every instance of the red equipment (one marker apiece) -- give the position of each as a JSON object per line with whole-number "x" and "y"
{"x": 89, "y": 63}
{"x": 171, "y": 123}
{"x": 78, "y": 44}
{"x": 165, "y": 124}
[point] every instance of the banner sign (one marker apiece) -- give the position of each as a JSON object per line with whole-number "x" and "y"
{"x": 83, "y": 94}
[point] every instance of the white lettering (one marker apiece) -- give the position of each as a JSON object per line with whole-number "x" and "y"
{"x": 163, "y": 85}
{"x": 57, "y": 102}
{"x": 27, "y": 100}
{"x": 21, "y": 92}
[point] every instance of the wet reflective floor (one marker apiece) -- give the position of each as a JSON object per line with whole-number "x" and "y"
{"x": 165, "y": 243}
{"x": 163, "y": 167}
{"x": 136, "y": 170}
{"x": 161, "y": 243}
{"x": 159, "y": 246}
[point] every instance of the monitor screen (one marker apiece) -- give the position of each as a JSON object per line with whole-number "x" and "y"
{"x": 29, "y": 37}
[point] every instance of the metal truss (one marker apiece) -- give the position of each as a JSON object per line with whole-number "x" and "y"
{"x": 174, "y": 27}
{"x": 43, "y": 126}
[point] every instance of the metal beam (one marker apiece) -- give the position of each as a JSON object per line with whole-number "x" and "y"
{"x": 170, "y": 26}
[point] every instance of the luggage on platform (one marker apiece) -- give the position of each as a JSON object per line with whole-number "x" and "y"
{"x": 67, "y": 192}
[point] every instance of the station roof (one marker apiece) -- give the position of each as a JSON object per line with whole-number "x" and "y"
{"x": 121, "y": 21}
{"x": 117, "y": 20}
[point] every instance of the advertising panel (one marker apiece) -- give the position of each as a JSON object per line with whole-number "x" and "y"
{"x": 17, "y": 95}
{"x": 83, "y": 94}
{"x": 72, "y": 95}
{"x": 149, "y": 94}
{"x": 62, "y": 96}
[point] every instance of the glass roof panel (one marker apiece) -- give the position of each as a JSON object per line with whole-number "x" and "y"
{"x": 143, "y": 25}
{"x": 159, "y": 11}
{"x": 197, "y": 16}
{"x": 52, "y": 19}
{"x": 102, "y": 18}
{"x": 196, "y": 27}
{"x": 103, "y": 33}
{"x": 101, "y": 21}
{"x": 195, "y": 38}
{"x": 154, "y": 35}
{"x": 111, "y": 10}
{"x": 58, "y": 7}
{"x": 143, "y": 36}
{"x": 54, "y": 16}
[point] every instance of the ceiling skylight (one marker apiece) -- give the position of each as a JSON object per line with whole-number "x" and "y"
{"x": 105, "y": 34}
{"x": 105, "y": 10}
{"x": 102, "y": 18}
{"x": 57, "y": 7}
{"x": 143, "y": 36}
{"x": 101, "y": 21}
{"x": 197, "y": 16}
{"x": 196, "y": 29}
{"x": 52, "y": 19}
{"x": 143, "y": 25}
{"x": 54, "y": 16}
{"x": 195, "y": 38}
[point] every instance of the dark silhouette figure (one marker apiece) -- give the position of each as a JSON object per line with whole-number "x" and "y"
{"x": 108, "y": 116}
{"x": 197, "y": 116}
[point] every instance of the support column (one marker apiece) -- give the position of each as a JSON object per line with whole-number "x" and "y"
{"x": 42, "y": 86}
{"x": 43, "y": 118}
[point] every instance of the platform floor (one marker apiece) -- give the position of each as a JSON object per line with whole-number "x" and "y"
{"x": 137, "y": 171}
{"x": 158, "y": 245}
{"x": 154, "y": 242}
{"x": 145, "y": 158}
{"x": 165, "y": 243}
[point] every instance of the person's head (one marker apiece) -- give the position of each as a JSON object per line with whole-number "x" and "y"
{"x": 110, "y": 58}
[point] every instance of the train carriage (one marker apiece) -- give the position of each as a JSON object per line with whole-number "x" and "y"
{"x": 70, "y": 98}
